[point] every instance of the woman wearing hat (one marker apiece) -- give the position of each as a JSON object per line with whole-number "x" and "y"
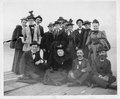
{"x": 30, "y": 29}
{"x": 95, "y": 39}
{"x": 60, "y": 63}
{"x": 16, "y": 43}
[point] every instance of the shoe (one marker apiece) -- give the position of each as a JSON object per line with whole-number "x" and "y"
{"x": 114, "y": 87}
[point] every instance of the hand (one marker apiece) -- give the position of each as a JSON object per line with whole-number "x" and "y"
{"x": 37, "y": 63}
{"x": 22, "y": 39}
{"x": 83, "y": 70}
{"x": 105, "y": 78}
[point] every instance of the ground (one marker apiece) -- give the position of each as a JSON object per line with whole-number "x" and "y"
{"x": 13, "y": 88}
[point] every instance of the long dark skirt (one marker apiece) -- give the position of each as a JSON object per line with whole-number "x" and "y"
{"x": 16, "y": 61}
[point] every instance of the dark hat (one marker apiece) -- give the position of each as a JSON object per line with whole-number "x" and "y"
{"x": 39, "y": 17}
{"x": 34, "y": 43}
{"x": 70, "y": 23}
{"x": 50, "y": 24}
{"x": 60, "y": 19}
{"x": 86, "y": 22}
{"x": 79, "y": 20}
{"x": 24, "y": 19}
{"x": 95, "y": 21}
{"x": 65, "y": 21}
{"x": 31, "y": 16}
{"x": 60, "y": 46}
{"x": 102, "y": 48}
{"x": 56, "y": 22}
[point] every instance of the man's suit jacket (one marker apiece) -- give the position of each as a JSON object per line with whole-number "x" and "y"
{"x": 27, "y": 63}
{"x": 41, "y": 30}
{"x": 78, "y": 37}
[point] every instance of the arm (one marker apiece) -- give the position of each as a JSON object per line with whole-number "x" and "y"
{"x": 88, "y": 68}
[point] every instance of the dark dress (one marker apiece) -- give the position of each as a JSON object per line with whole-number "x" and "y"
{"x": 46, "y": 43}
{"x": 17, "y": 44}
{"x": 78, "y": 37}
{"x": 60, "y": 67}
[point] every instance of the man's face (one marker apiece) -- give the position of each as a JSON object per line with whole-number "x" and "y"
{"x": 57, "y": 26}
{"x": 79, "y": 24}
{"x": 60, "y": 52}
{"x": 95, "y": 26}
{"x": 50, "y": 28}
{"x": 24, "y": 22}
{"x": 38, "y": 20}
{"x": 80, "y": 53}
{"x": 87, "y": 26}
{"x": 34, "y": 48}
{"x": 30, "y": 21}
{"x": 102, "y": 55}
{"x": 69, "y": 28}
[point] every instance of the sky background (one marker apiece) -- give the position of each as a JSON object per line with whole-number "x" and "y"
{"x": 51, "y": 10}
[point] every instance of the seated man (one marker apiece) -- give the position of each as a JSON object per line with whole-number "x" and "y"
{"x": 60, "y": 63}
{"x": 32, "y": 65}
{"x": 102, "y": 74}
{"x": 80, "y": 70}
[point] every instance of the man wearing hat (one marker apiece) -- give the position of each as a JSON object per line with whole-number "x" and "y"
{"x": 31, "y": 64}
{"x": 87, "y": 31}
{"x": 78, "y": 34}
{"x": 38, "y": 20}
{"x": 47, "y": 41}
{"x": 102, "y": 74}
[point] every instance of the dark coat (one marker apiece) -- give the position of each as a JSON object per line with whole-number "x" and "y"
{"x": 78, "y": 37}
{"x": 46, "y": 44}
{"x": 84, "y": 46}
{"x": 41, "y": 30}
{"x": 102, "y": 68}
{"x": 84, "y": 64}
{"x": 27, "y": 64}
{"x": 16, "y": 41}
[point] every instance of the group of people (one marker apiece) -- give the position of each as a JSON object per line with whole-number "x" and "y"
{"x": 76, "y": 57}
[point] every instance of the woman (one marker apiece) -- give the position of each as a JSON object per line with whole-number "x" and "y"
{"x": 96, "y": 39}
{"x": 60, "y": 63}
{"x": 17, "y": 44}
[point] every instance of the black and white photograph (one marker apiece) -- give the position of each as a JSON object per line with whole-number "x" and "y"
{"x": 60, "y": 47}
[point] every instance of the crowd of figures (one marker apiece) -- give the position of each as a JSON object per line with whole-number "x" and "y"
{"x": 76, "y": 57}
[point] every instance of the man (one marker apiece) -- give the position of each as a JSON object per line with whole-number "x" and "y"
{"x": 102, "y": 74}
{"x": 80, "y": 70}
{"x": 38, "y": 20}
{"x": 78, "y": 34}
{"x": 31, "y": 64}
{"x": 87, "y": 31}
{"x": 47, "y": 41}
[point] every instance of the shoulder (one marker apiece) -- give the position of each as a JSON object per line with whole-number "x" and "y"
{"x": 18, "y": 27}
{"x": 85, "y": 59}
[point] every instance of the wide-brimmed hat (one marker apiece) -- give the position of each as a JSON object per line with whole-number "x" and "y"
{"x": 56, "y": 22}
{"x": 86, "y": 22}
{"x": 50, "y": 24}
{"x": 38, "y": 17}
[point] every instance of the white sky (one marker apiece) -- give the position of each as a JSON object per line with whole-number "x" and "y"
{"x": 50, "y": 10}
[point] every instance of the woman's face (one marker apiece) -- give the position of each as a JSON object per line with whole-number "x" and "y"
{"x": 24, "y": 22}
{"x": 60, "y": 52}
{"x": 95, "y": 26}
{"x": 34, "y": 48}
{"x": 70, "y": 28}
{"x": 30, "y": 21}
